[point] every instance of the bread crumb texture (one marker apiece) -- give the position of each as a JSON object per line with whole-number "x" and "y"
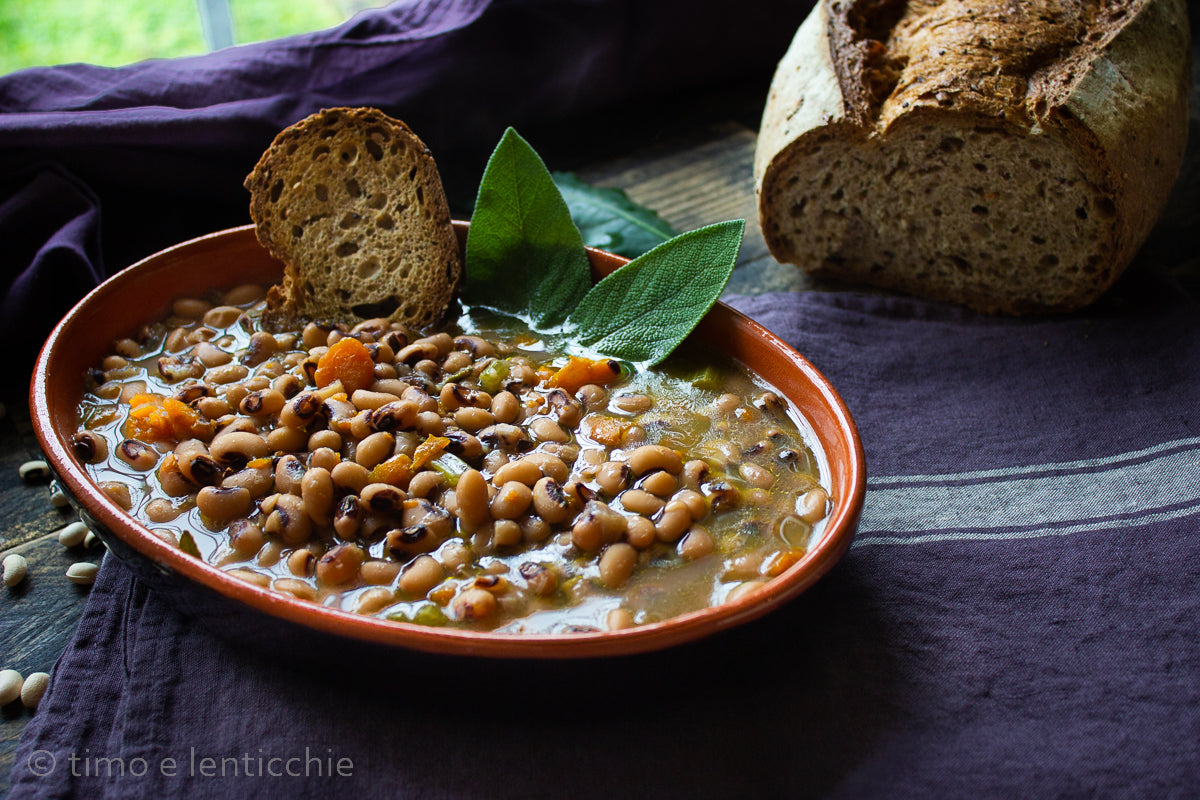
{"x": 350, "y": 200}
{"x": 1011, "y": 157}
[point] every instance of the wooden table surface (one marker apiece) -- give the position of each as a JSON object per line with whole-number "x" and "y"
{"x": 691, "y": 173}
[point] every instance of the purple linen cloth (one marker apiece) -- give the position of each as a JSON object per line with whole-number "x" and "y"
{"x": 1018, "y": 616}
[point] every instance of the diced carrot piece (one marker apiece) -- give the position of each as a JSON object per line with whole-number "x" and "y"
{"x": 349, "y": 361}
{"x": 428, "y": 450}
{"x": 397, "y": 471}
{"x": 581, "y": 371}
{"x": 607, "y": 431}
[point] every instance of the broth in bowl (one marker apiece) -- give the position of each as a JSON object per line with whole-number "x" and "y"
{"x": 479, "y": 477}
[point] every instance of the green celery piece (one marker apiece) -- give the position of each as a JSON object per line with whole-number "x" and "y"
{"x": 642, "y": 311}
{"x": 610, "y": 220}
{"x": 525, "y": 257}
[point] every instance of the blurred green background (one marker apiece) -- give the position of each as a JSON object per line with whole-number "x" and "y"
{"x": 115, "y": 32}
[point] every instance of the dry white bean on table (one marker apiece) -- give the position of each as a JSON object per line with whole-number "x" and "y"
{"x": 33, "y": 689}
{"x": 15, "y": 568}
{"x": 83, "y": 573}
{"x": 10, "y": 686}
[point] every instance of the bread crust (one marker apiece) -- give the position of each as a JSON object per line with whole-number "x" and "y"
{"x": 1010, "y": 157}
{"x": 350, "y": 200}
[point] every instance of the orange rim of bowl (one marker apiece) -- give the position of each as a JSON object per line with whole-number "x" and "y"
{"x": 54, "y": 418}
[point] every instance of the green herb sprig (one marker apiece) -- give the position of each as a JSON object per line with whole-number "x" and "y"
{"x": 526, "y": 257}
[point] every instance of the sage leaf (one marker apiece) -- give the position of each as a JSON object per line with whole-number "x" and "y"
{"x": 641, "y": 312}
{"x": 525, "y": 257}
{"x": 609, "y": 219}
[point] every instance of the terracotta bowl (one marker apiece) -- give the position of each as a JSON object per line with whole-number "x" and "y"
{"x": 142, "y": 293}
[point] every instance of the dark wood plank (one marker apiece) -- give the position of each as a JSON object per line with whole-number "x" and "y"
{"x": 37, "y": 619}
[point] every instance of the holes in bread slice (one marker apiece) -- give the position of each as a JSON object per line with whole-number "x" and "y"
{"x": 382, "y": 308}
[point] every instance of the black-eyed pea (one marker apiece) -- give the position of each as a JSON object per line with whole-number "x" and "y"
{"x": 756, "y": 475}
{"x": 226, "y": 374}
{"x": 455, "y": 556}
{"x": 523, "y": 470}
{"x": 695, "y": 474}
{"x": 288, "y": 385}
{"x": 262, "y": 403}
{"x": 506, "y": 533}
{"x": 300, "y": 410}
{"x": 631, "y": 403}
{"x": 534, "y": 529}
{"x": 245, "y": 538}
{"x": 511, "y": 501}
{"x": 250, "y": 576}
{"x": 262, "y": 346}
{"x": 379, "y": 572}
{"x": 397, "y": 415}
{"x": 474, "y": 604}
{"x": 137, "y": 454}
{"x": 221, "y": 505}
{"x": 640, "y": 532}
{"x": 190, "y": 307}
{"x": 673, "y": 522}
{"x": 613, "y": 477}
{"x": 425, "y": 483}
{"x": 301, "y": 562}
{"x": 429, "y": 423}
{"x": 238, "y": 447}
{"x": 234, "y": 424}
{"x": 403, "y": 543}
{"x": 812, "y": 505}
{"x": 211, "y": 356}
{"x": 382, "y": 497}
{"x": 284, "y": 439}
{"x": 340, "y": 565}
{"x": 695, "y": 502}
{"x": 350, "y": 476}
{"x": 756, "y": 497}
{"x": 348, "y": 517}
{"x": 542, "y": 579}
{"x": 550, "y": 465}
{"x": 726, "y": 404}
{"x": 270, "y": 554}
{"x": 474, "y": 346}
{"x": 546, "y": 429}
{"x": 162, "y": 510}
{"x": 295, "y": 587}
{"x": 471, "y": 498}
{"x": 194, "y": 462}
{"x": 654, "y": 457}
{"x": 618, "y": 619}
{"x": 722, "y": 496}
{"x": 374, "y": 600}
{"x": 617, "y": 563}
{"x": 596, "y": 526}
{"x": 424, "y": 573}
{"x": 659, "y": 482}
{"x": 641, "y": 502}
{"x": 314, "y": 335}
{"x": 221, "y": 316}
{"x": 214, "y": 407}
{"x": 375, "y": 449}
{"x": 744, "y": 589}
{"x": 369, "y": 400}
{"x": 243, "y": 294}
{"x": 695, "y": 544}
{"x": 505, "y": 407}
{"x": 550, "y": 501}
{"x": 325, "y": 458}
{"x": 89, "y": 446}
{"x": 289, "y": 473}
{"x": 289, "y": 520}
{"x": 118, "y": 493}
{"x": 316, "y": 489}
{"x": 128, "y": 390}
{"x": 473, "y": 419}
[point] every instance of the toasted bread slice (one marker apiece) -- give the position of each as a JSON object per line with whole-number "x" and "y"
{"x": 351, "y": 202}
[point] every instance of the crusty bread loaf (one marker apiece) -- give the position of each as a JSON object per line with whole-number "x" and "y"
{"x": 1011, "y": 157}
{"x": 351, "y": 202}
